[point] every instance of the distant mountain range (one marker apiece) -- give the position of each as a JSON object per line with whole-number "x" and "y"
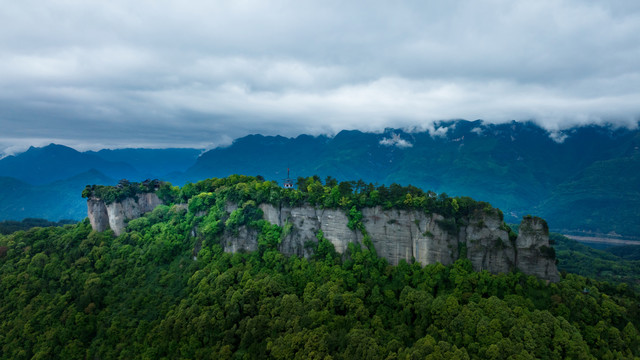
{"x": 585, "y": 179}
{"x": 47, "y": 182}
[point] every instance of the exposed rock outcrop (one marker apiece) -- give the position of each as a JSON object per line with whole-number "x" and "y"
{"x": 396, "y": 234}
{"x": 533, "y": 250}
{"x": 305, "y": 222}
{"x": 413, "y": 235}
{"x": 115, "y": 215}
{"x": 97, "y": 212}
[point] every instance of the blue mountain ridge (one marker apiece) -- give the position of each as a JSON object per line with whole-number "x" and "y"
{"x": 516, "y": 166}
{"x": 588, "y": 182}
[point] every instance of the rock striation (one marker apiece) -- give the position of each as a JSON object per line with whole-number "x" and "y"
{"x": 115, "y": 215}
{"x": 533, "y": 250}
{"x": 397, "y": 235}
{"x": 413, "y": 235}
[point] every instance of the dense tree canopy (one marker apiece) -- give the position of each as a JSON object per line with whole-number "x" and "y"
{"x": 123, "y": 190}
{"x": 166, "y": 289}
{"x": 11, "y": 226}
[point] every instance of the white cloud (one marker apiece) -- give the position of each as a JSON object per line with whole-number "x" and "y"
{"x": 120, "y": 72}
{"x": 397, "y": 141}
{"x": 558, "y": 136}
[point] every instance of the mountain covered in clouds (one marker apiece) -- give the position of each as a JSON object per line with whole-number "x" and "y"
{"x": 581, "y": 179}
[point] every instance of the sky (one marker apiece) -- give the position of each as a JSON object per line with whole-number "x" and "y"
{"x": 161, "y": 73}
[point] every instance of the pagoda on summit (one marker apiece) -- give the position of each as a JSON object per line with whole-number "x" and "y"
{"x": 288, "y": 182}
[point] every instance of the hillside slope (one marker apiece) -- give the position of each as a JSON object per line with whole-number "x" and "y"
{"x": 165, "y": 290}
{"x": 404, "y": 224}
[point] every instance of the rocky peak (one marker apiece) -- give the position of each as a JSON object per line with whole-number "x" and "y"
{"x": 397, "y": 235}
{"x": 534, "y": 254}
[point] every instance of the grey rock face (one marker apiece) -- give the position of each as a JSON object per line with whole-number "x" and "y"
{"x": 406, "y": 235}
{"x": 244, "y": 240}
{"x": 488, "y": 246}
{"x": 532, "y": 239}
{"x": 115, "y": 215}
{"x": 412, "y": 235}
{"x": 97, "y": 213}
{"x": 305, "y": 222}
{"x": 396, "y": 234}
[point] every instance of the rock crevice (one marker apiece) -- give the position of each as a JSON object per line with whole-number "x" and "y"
{"x": 397, "y": 235}
{"x": 115, "y": 215}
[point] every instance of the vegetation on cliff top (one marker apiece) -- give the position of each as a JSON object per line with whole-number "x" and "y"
{"x": 161, "y": 290}
{"x": 332, "y": 194}
{"x": 124, "y": 189}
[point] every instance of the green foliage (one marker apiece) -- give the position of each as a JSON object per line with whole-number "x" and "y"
{"x": 124, "y": 189}
{"x": 627, "y": 252}
{"x": 166, "y": 289}
{"x": 270, "y": 236}
{"x": 70, "y": 292}
{"x": 548, "y": 252}
{"x": 578, "y": 258}
{"x": 449, "y": 225}
{"x": 355, "y": 219}
{"x": 10, "y": 226}
{"x": 324, "y": 249}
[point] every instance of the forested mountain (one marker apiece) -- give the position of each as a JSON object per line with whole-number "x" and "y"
{"x": 56, "y": 201}
{"x": 618, "y": 264}
{"x": 46, "y": 182}
{"x": 39, "y": 166}
{"x": 11, "y": 226}
{"x": 166, "y": 289}
{"x": 589, "y": 181}
{"x": 585, "y": 179}
{"x": 152, "y": 163}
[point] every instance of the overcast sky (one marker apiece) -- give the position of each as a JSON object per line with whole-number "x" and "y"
{"x": 94, "y": 74}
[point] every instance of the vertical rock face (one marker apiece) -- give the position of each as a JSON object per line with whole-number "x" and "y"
{"x": 406, "y": 235}
{"x": 413, "y": 235}
{"x": 396, "y": 234}
{"x": 244, "y": 240}
{"x": 533, "y": 250}
{"x": 305, "y": 222}
{"x": 97, "y": 213}
{"x": 115, "y": 215}
{"x": 488, "y": 246}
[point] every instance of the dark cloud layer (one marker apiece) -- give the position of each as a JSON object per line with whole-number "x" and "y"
{"x": 197, "y": 74}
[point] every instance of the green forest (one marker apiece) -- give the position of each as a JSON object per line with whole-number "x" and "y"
{"x": 166, "y": 289}
{"x": 11, "y": 226}
{"x": 610, "y": 265}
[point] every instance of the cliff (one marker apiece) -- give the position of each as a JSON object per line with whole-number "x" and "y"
{"x": 396, "y": 234}
{"x": 408, "y": 235}
{"x": 115, "y": 215}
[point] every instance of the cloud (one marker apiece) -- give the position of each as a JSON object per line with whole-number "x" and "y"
{"x": 123, "y": 73}
{"x": 397, "y": 141}
{"x": 558, "y": 136}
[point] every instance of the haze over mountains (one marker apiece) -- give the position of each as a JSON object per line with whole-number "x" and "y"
{"x": 581, "y": 179}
